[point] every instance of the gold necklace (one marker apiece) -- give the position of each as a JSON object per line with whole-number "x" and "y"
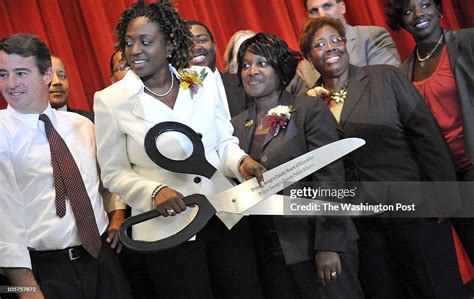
{"x": 422, "y": 60}
{"x": 339, "y": 96}
{"x": 262, "y": 119}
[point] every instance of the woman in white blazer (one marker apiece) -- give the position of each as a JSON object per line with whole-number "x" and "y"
{"x": 156, "y": 43}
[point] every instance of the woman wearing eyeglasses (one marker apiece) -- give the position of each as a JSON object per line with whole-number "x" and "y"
{"x": 118, "y": 66}
{"x": 399, "y": 258}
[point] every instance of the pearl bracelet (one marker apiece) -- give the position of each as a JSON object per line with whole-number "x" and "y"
{"x": 157, "y": 189}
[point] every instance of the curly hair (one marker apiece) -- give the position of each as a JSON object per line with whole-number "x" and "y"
{"x": 283, "y": 60}
{"x": 311, "y": 26}
{"x": 25, "y": 45}
{"x": 171, "y": 25}
{"x": 394, "y": 13}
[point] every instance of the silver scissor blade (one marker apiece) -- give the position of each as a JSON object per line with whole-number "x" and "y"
{"x": 316, "y": 159}
{"x": 244, "y": 196}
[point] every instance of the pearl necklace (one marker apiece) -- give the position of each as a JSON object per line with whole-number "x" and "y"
{"x": 160, "y": 95}
{"x": 422, "y": 60}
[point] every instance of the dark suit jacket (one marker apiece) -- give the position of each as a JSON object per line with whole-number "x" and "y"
{"x": 88, "y": 114}
{"x": 310, "y": 127}
{"x": 460, "y": 45}
{"x": 236, "y": 98}
{"x": 403, "y": 140}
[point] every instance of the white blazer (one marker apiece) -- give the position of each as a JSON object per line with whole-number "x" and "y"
{"x": 123, "y": 115}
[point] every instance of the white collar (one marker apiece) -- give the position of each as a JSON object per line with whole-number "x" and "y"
{"x": 31, "y": 119}
{"x": 63, "y": 108}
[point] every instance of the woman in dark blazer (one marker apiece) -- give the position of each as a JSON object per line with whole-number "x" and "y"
{"x": 298, "y": 257}
{"x": 441, "y": 67}
{"x": 399, "y": 258}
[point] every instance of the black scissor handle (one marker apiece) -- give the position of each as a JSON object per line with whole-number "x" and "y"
{"x": 196, "y": 163}
{"x": 205, "y": 213}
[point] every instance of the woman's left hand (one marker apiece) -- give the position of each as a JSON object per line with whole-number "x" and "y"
{"x": 328, "y": 266}
{"x": 249, "y": 168}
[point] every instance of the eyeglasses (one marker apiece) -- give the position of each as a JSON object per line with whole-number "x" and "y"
{"x": 333, "y": 40}
{"x": 121, "y": 68}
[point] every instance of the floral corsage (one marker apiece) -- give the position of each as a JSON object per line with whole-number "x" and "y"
{"x": 278, "y": 117}
{"x": 191, "y": 80}
{"x": 321, "y": 92}
{"x": 328, "y": 96}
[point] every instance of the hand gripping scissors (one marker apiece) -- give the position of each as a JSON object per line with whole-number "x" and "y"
{"x": 239, "y": 199}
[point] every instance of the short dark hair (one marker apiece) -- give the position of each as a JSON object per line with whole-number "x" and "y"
{"x": 393, "y": 11}
{"x": 170, "y": 23}
{"x": 283, "y": 60}
{"x": 25, "y": 45}
{"x": 194, "y": 22}
{"x": 311, "y": 26}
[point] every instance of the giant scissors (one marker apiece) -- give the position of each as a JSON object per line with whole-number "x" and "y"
{"x": 230, "y": 205}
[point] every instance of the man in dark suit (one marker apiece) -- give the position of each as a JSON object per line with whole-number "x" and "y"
{"x": 230, "y": 91}
{"x": 59, "y": 90}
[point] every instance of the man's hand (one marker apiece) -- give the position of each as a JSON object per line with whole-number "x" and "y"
{"x": 249, "y": 168}
{"x": 116, "y": 219}
{"x": 328, "y": 266}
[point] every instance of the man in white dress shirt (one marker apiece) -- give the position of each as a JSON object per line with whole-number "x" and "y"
{"x": 366, "y": 45}
{"x": 230, "y": 91}
{"x": 38, "y": 248}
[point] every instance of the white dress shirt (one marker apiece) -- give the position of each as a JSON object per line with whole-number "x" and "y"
{"x": 27, "y": 200}
{"x": 221, "y": 91}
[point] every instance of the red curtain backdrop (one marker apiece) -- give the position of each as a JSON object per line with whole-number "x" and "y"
{"x": 80, "y": 31}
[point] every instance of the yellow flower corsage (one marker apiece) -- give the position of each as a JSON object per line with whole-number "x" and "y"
{"x": 191, "y": 80}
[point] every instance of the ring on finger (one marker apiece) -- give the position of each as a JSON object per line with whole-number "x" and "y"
{"x": 333, "y": 274}
{"x": 170, "y": 212}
